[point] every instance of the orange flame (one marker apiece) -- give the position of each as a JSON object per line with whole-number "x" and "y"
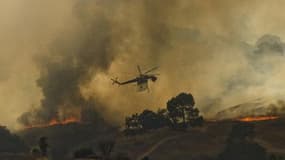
{"x": 55, "y": 122}
{"x": 257, "y": 118}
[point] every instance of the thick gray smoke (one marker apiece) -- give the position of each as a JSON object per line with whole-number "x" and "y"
{"x": 72, "y": 60}
{"x": 223, "y": 52}
{"x": 90, "y": 47}
{"x": 110, "y": 37}
{"x": 260, "y": 79}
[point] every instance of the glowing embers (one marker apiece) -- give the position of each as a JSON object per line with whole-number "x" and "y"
{"x": 257, "y": 118}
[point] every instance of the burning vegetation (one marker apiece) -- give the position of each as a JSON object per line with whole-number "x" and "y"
{"x": 83, "y": 116}
{"x": 55, "y": 122}
{"x": 261, "y": 109}
{"x": 257, "y": 118}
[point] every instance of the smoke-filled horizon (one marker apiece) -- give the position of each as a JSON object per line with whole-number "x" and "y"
{"x": 58, "y": 57}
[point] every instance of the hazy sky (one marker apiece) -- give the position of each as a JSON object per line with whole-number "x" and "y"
{"x": 214, "y": 49}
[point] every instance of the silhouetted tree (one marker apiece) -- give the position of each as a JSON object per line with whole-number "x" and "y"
{"x": 192, "y": 113}
{"x": 132, "y": 122}
{"x": 149, "y": 120}
{"x": 193, "y": 116}
{"x": 163, "y": 117}
{"x": 43, "y": 145}
{"x": 139, "y": 123}
{"x": 180, "y": 107}
{"x": 133, "y": 125}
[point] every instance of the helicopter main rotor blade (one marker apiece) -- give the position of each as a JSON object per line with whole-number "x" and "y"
{"x": 139, "y": 69}
{"x": 154, "y": 68}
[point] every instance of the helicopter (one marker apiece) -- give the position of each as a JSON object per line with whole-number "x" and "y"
{"x": 141, "y": 81}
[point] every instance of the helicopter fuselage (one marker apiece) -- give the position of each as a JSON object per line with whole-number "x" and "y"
{"x": 144, "y": 79}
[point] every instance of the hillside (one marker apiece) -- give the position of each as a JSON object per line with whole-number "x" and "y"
{"x": 202, "y": 143}
{"x": 10, "y": 143}
{"x": 257, "y": 107}
{"x": 64, "y": 139}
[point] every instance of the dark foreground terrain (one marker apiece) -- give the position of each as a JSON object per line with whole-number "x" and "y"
{"x": 206, "y": 142}
{"x": 202, "y": 143}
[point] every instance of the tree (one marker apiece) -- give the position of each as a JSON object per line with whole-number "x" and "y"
{"x": 43, "y": 145}
{"x": 193, "y": 117}
{"x": 149, "y": 120}
{"x": 132, "y": 122}
{"x": 163, "y": 117}
{"x": 133, "y": 126}
{"x": 175, "y": 111}
{"x": 178, "y": 106}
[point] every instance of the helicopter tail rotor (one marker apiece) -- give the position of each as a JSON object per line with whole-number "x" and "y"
{"x": 115, "y": 81}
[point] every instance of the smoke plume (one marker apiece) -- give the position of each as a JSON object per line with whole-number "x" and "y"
{"x": 223, "y": 52}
